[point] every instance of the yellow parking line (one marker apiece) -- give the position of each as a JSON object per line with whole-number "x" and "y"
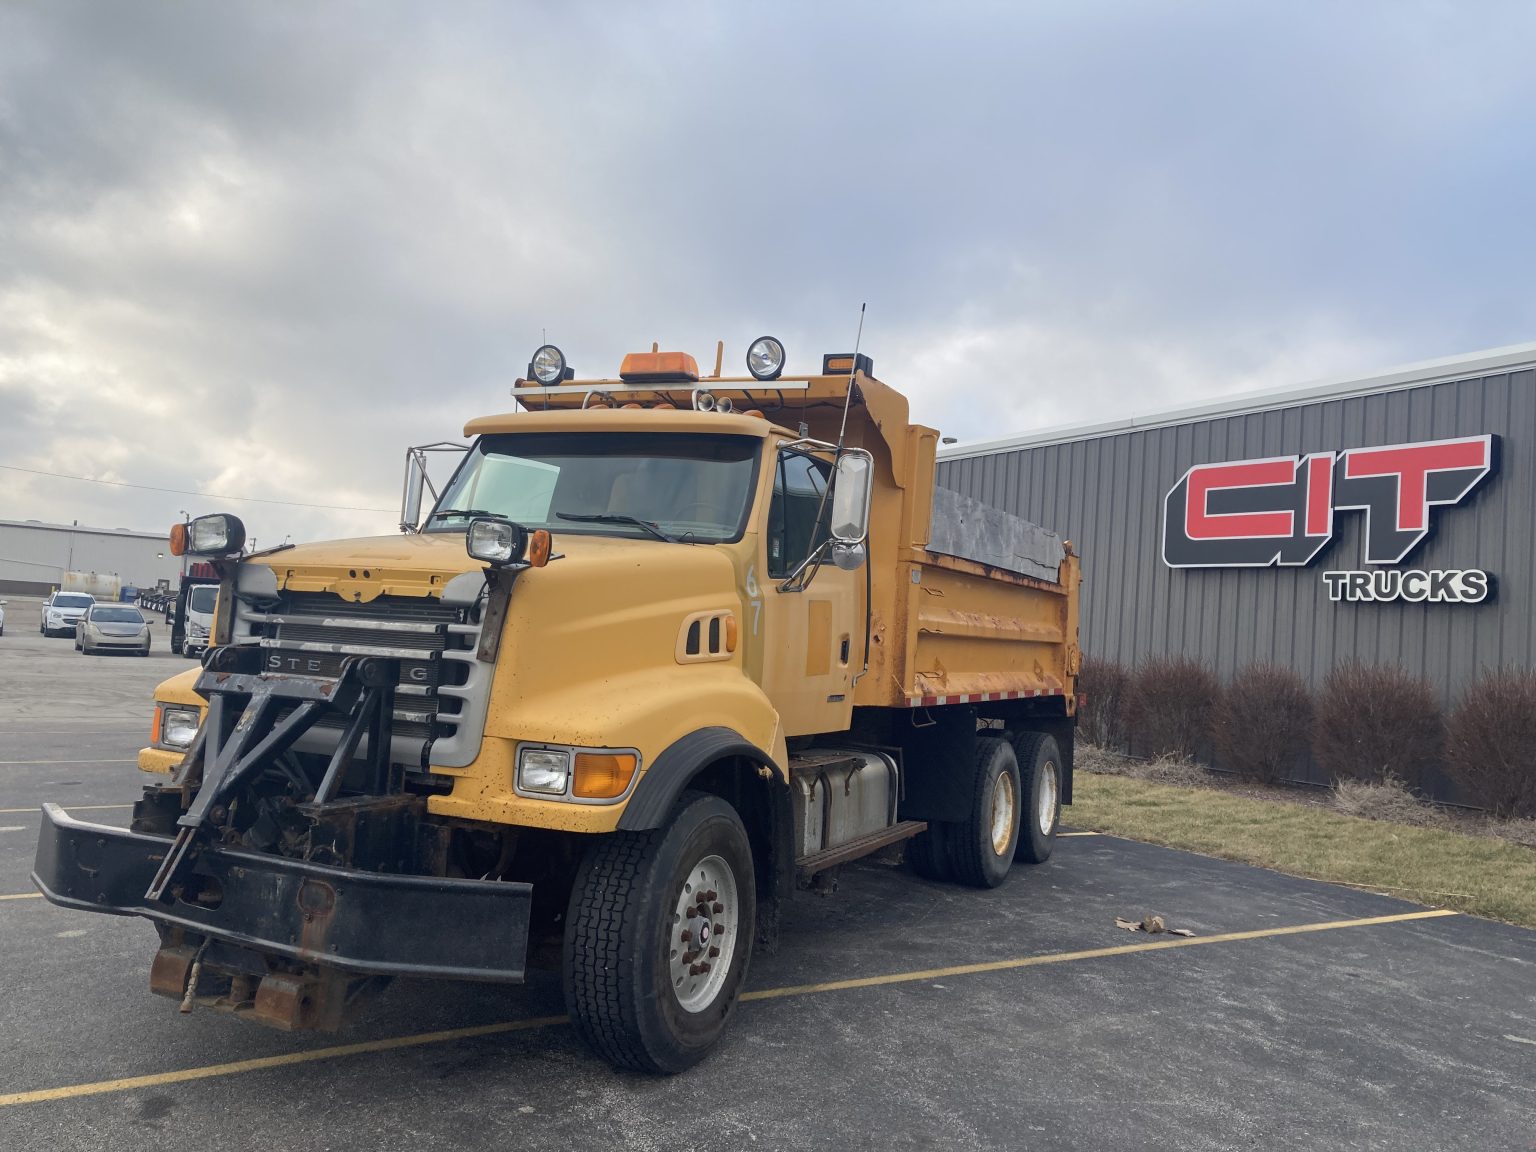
{"x": 15, "y": 763}
{"x": 67, "y": 808}
{"x": 22, "y": 896}
{"x": 256, "y": 1064}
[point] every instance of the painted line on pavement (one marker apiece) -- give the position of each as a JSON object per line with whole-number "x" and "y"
{"x": 422, "y": 1039}
{"x": 67, "y": 808}
{"x": 22, "y": 896}
{"x": 18, "y": 763}
{"x": 1063, "y": 835}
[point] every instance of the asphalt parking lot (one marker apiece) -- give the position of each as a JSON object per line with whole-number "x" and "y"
{"x": 897, "y": 1013}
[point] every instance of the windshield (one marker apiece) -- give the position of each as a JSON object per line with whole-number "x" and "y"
{"x": 202, "y": 598}
{"x": 693, "y": 488}
{"x": 73, "y": 600}
{"x": 118, "y": 615}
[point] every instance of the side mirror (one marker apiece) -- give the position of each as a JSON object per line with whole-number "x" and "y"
{"x": 415, "y": 483}
{"x": 850, "y": 497}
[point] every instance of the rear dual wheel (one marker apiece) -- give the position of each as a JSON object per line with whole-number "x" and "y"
{"x": 978, "y": 849}
{"x": 1015, "y": 807}
{"x": 658, "y": 937}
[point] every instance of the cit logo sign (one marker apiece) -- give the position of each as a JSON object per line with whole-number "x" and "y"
{"x": 1281, "y": 511}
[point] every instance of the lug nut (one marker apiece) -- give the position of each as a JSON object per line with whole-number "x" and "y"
{"x": 711, "y": 895}
{"x": 686, "y": 936}
{"x": 719, "y": 928}
{"x": 718, "y": 908}
{"x": 695, "y": 969}
{"x": 713, "y": 951}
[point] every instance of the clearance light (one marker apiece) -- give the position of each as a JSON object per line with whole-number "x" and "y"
{"x": 603, "y": 775}
{"x": 548, "y": 366}
{"x": 765, "y": 358}
{"x": 845, "y": 363}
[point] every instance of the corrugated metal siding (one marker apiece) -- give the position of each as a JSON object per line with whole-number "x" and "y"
{"x": 1106, "y": 495}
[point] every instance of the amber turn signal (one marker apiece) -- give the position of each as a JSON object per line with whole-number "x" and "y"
{"x": 538, "y": 547}
{"x": 603, "y": 775}
{"x": 178, "y": 539}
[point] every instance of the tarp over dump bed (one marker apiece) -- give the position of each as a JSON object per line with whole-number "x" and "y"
{"x": 970, "y": 530}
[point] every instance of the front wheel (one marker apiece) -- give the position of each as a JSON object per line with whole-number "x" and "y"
{"x": 658, "y": 936}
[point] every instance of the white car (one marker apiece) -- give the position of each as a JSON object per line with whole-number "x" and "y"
{"x": 63, "y": 611}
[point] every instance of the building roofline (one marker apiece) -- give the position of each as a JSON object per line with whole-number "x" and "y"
{"x": 1444, "y": 370}
{"x": 115, "y": 533}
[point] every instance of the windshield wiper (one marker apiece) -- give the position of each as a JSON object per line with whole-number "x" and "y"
{"x": 467, "y": 513}
{"x": 615, "y": 518}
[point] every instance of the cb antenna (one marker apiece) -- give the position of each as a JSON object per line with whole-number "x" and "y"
{"x": 853, "y": 368}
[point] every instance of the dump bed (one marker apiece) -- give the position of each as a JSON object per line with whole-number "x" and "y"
{"x": 990, "y": 610}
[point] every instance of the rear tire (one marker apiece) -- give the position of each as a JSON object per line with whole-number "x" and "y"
{"x": 981, "y": 846}
{"x": 928, "y": 853}
{"x": 631, "y": 981}
{"x": 1040, "y": 768}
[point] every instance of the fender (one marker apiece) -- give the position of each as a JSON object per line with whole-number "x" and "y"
{"x": 671, "y": 773}
{"x": 664, "y": 781}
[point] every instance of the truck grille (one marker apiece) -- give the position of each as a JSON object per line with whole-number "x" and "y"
{"x": 311, "y": 633}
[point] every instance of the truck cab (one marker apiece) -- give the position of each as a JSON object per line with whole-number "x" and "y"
{"x": 665, "y": 649}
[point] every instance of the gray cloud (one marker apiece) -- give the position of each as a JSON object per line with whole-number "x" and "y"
{"x": 258, "y": 250}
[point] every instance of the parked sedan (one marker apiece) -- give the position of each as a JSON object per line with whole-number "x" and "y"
{"x": 108, "y": 626}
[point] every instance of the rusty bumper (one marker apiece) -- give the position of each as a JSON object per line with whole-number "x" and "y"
{"x": 367, "y": 923}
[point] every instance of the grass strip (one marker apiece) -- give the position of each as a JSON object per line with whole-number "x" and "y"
{"x": 1446, "y": 869}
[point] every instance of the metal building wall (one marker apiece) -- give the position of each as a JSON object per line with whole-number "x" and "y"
{"x": 34, "y": 556}
{"x": 1106, "y": 495}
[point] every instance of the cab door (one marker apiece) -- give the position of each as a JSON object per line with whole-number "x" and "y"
{"x": 810, "y": 636}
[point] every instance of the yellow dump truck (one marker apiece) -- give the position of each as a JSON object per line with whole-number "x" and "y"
{"x": 665, "y": 649}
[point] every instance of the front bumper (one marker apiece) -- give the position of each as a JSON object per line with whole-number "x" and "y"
{"x": 365, "y": 923}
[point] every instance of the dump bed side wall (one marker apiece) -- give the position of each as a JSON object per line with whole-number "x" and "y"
{"x": 978, "y": 633}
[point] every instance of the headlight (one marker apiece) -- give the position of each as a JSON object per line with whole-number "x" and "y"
{"x": 496, "y": 541}
{"x": 547, "y": 365}
{"x": 178, "y": 727}
{"x": 765, "y": 358}
{"x": 546, "y": 770}
{"x": 216, "y": 535}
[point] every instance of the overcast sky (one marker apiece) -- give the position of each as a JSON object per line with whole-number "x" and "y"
{"x": 256, "y": 249}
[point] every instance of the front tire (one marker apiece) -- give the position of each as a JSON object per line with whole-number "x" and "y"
{"x": 658, "y": 937}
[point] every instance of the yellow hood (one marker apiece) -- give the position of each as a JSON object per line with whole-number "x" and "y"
{"x": 421, "y": 565}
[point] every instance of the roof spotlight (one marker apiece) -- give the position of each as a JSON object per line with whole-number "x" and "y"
{"x": 548, "y": 365}
{"x": 765, "y": 358}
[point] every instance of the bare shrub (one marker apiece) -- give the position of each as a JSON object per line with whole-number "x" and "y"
{"x": 1090, "y": 757}
{"x": 1173, "y": 770}
{"x": 1105, "y": 684}
{"x": 1376, "y": 721}
{"x": 1163, "y": 769}
{"x": 1263, "y": 723}
{"x": 1170, "y": 705}
{"x": 1388, "y": 800}
{"x": 1493, "y": 741}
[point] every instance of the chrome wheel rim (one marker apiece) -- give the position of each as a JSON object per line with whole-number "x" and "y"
{"x": 1047, "y": 813}
{"x": 706, "y": 922}
{"x": 1003, "y": 818}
